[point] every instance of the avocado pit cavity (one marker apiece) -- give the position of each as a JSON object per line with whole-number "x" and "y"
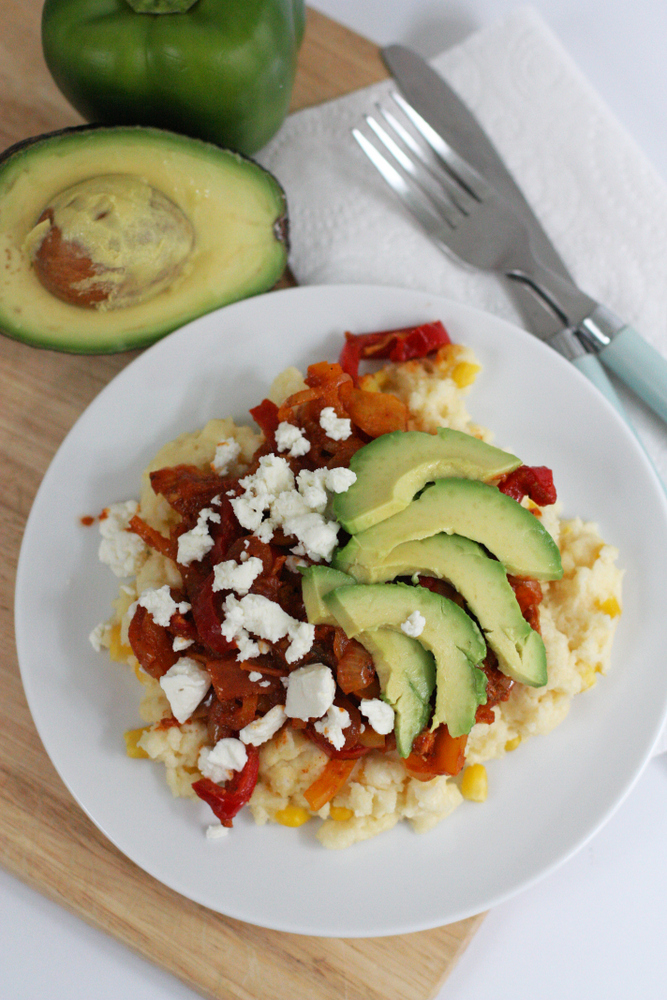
{"x": 109, "y": 242}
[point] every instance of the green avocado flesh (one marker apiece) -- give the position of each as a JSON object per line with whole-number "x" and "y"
{"x": 448, "y": 633}
{"x": 235, "y": 209}
{"x": 483, "y": 584}
{"x": 405, "y": 669}
{"x": 394, "y": 467}
{"x": 463, "y": 507}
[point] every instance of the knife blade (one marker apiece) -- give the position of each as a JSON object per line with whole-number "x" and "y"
{"x": 622, "y": 349}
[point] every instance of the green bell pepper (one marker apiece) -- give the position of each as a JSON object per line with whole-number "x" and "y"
{"x": 219, "y": 70}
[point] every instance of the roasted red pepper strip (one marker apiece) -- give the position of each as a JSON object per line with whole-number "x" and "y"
{"x": 226, "y": 801}
{"x": 535, "y": 480}
{"x": 397, "y": 345}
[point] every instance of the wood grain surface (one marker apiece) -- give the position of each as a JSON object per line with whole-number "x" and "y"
{"x": 45, "y": 839}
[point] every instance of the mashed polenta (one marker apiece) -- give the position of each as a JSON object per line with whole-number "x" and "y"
{"x": 578, "y": 616}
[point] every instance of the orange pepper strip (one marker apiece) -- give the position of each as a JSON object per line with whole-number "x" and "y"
{"x": 329, "y": 783}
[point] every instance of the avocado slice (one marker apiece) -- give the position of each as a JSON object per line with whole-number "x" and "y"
{"x": 225, "y": 215}
{"x": 464, "y": 507}
{"x": 394, "y": 467}
{"x": 449, "y": 633}
{"x": 483, "y": 584}
{"x": 316, "y": 582}
{"x": 405, "y": 669}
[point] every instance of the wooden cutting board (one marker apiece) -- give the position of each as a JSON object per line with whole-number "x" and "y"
{"x": 45, "y": 839}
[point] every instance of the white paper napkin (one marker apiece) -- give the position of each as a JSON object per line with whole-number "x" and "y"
{"x": 599, "y": 199}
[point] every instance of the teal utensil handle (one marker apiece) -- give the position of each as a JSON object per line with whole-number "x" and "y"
{"x": 589, "y": 366}
{"x": 640, "y": 366}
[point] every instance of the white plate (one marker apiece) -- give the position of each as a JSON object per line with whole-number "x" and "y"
{"x": 546, "y": 799}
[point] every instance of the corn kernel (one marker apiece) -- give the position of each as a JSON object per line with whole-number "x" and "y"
{"x": 292, "y": 816}
{"x": 132, "y": 737}
{"x": 588, "y": 676}
{"x": 340, "y": 813}
{"x": 474, "y": 783}
{"x": 118, "y": 651}
{"x": 465, "y": 373}
{"x": 610, "y": 607}
{"x": 512, "y": 744}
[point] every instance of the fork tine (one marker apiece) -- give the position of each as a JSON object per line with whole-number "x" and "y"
{"x": 432, "y": 163}
{"x": 413, "y": 201}
{"x": 443, "y": 205}
{"x": 463, "y": 172}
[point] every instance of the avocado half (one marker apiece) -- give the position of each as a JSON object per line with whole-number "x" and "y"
{"x": 232, "y": 211}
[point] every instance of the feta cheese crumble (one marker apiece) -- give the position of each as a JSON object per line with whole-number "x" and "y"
{"x": 99, "y": 637}
{"x": 296, "y": 506}
{"x": 121, "y": 550}
{"x": 379, "y": 714}
{"x": 335, "y": 427}
{"x": 261, "y": 730}
{"x": 217, "y": 831}
{"x": 414, "y": 624}
{"x": 310, "y": 692}
{"x": 218, "y": 762}
{"x": 185, "y": 684}
{"x": 161, "y": 605}
{"x": 291, "y": 439}
{"x": 332, "y": 726}
{"x": 226, "y": 452}
{"x": 194, "y": 544}
{"x": 237, "y": 576}
{"x": 180, "y": 642}
{"x": 264, "y": 618}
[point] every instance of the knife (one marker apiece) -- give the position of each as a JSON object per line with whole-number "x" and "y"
{"x": 605, "y": 337}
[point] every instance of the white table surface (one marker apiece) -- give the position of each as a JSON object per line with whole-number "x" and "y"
{"x": 596, "y": 927}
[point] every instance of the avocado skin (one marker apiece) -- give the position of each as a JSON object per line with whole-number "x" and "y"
{"x": 464, "y": 507}
{"x": 449, "y": 633}
{"x": 87, "y": 331}
{"x": 483, "y": 584}
{"x": 394, "y": 467}
{"x": 406, "y": 671}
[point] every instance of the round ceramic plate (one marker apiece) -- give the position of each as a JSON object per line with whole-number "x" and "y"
{"x": 546, "y": 799}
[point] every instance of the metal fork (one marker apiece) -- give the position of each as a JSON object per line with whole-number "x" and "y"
{"x": 464, "y": 216}
{"x": 458, "y": 209}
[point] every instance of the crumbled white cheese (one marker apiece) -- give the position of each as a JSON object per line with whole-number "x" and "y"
{"x": 99, "y": 637}
{"x": 339, "y": 480}
{"x": 121, "y": 550}
{"x": 379, "y": 714}
{"x": 261, "y": 730}
{"x": 254, "y": 676}
{"x": 414, "y": 624}
{"x": 218, "y": 762}
{"x": 217, "y": 831}
{"x": 180, "y": 643}
{"x": 292, "y": 440}
{"x": 226, "y": 452}
{"x": 293, "y": 563}
{"x": 332, "y": 726}
{"x": 185, "y": 684}
{"x": 237, "y": 576}
{"x": 194, "y": 544}
{"x": 160, "y": 604}
{"x": 270, "y": 500}
{"x": 335, "y": 427}
{"x": 264, "y": 618}
{"x": 310, "y": 691}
